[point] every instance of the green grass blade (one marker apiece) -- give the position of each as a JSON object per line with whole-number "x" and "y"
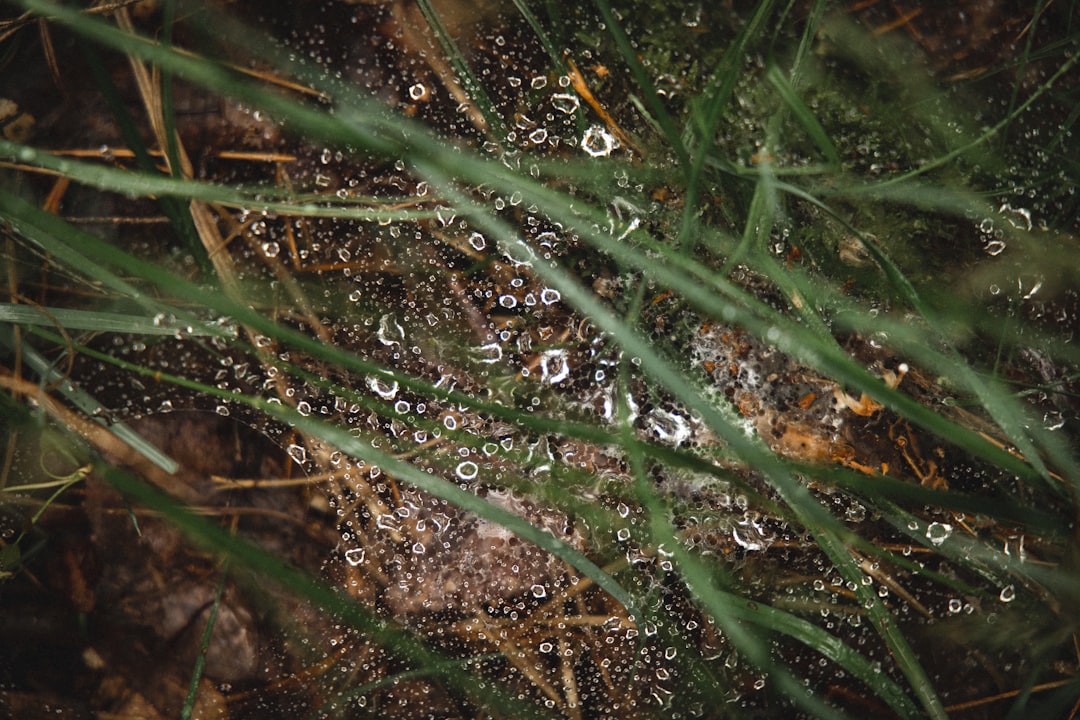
{"x": 102, "y": 321}
{"x": 204, "y": 646}
{"x": 469, "y": 81}
{"x": 645, "y": 83}
{"x": 83, "y": 400}
{"x": 804, "y": 116}
{"x": 707, "y": 123}
{"x": 254, "y": 199}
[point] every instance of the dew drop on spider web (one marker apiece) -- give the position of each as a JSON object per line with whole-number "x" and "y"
{"x": 565, "y": 103}
{"x": 598, "y": 142}
{"x": 937, "y": 533}
{"x": 477, "y": 241}
{"x": 297, "y": 453}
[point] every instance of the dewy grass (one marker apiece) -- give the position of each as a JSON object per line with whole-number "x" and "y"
{"x": 722, "y": 267}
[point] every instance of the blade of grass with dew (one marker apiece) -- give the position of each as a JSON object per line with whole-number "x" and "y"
{"x": 532, "y": 422}
{"x": 645, "y": 83}
{"x": 714, "y": 100}
{"x": 178, "y": 215}
{"x": 979, "y": 555}
{"x": 854, "y": 38}
{"x": 1001, "y": 509}
{"x": 554, "y": 54}
{"x": 85, "y": 401}
{"x": 168, "y": 116}
{"x": 730, "y": 610}
{"x": 471, "y": 84}
{"x": 363, "y": 125}
{"x": 254, "y": 199}
{"x": 101, "y": 321}
{"x": 22, "y": 215}
{"x": 760, "y": 221}
{"x": 804, "y": 116}
{"x": 826, "y": 530}
{"x": 719, "y": 298}
{"x": 39, "y": 226}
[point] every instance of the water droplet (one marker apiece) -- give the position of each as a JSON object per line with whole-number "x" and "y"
{"x": 538, "y": 591}
{"x": 538, "y": 136}
{"x": 493, "y": 351}
{"x": 1019, "y": 218}
{"x": 417, "y": 91}
{"x": 477, "y": 241}
{"x": 565, "y": 103}
{"x": 355, "y": 556}
{"x": 388, "y": 522}
{"x": 271, "y": 249}
{"x": 383, "y": 390}
{"x": 467, "y": 470}
{"x": 598, "y": 142}
{"x": 1008, "y": 593}
{"x": 937, "y": 533}
{"x": 445, "y": 216}
{"x": 623, "y": 534}
{"x": 297, "y": 453}
{"x": 390, "y": 332}
{"x": 550, "y": 296}
{"x": 304, "y": 408}
{"x": 508, "y": 301}
{"x": 994, "y": 247}
{"x": 418, "y": 548}
{"x": 554, "y": 366}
